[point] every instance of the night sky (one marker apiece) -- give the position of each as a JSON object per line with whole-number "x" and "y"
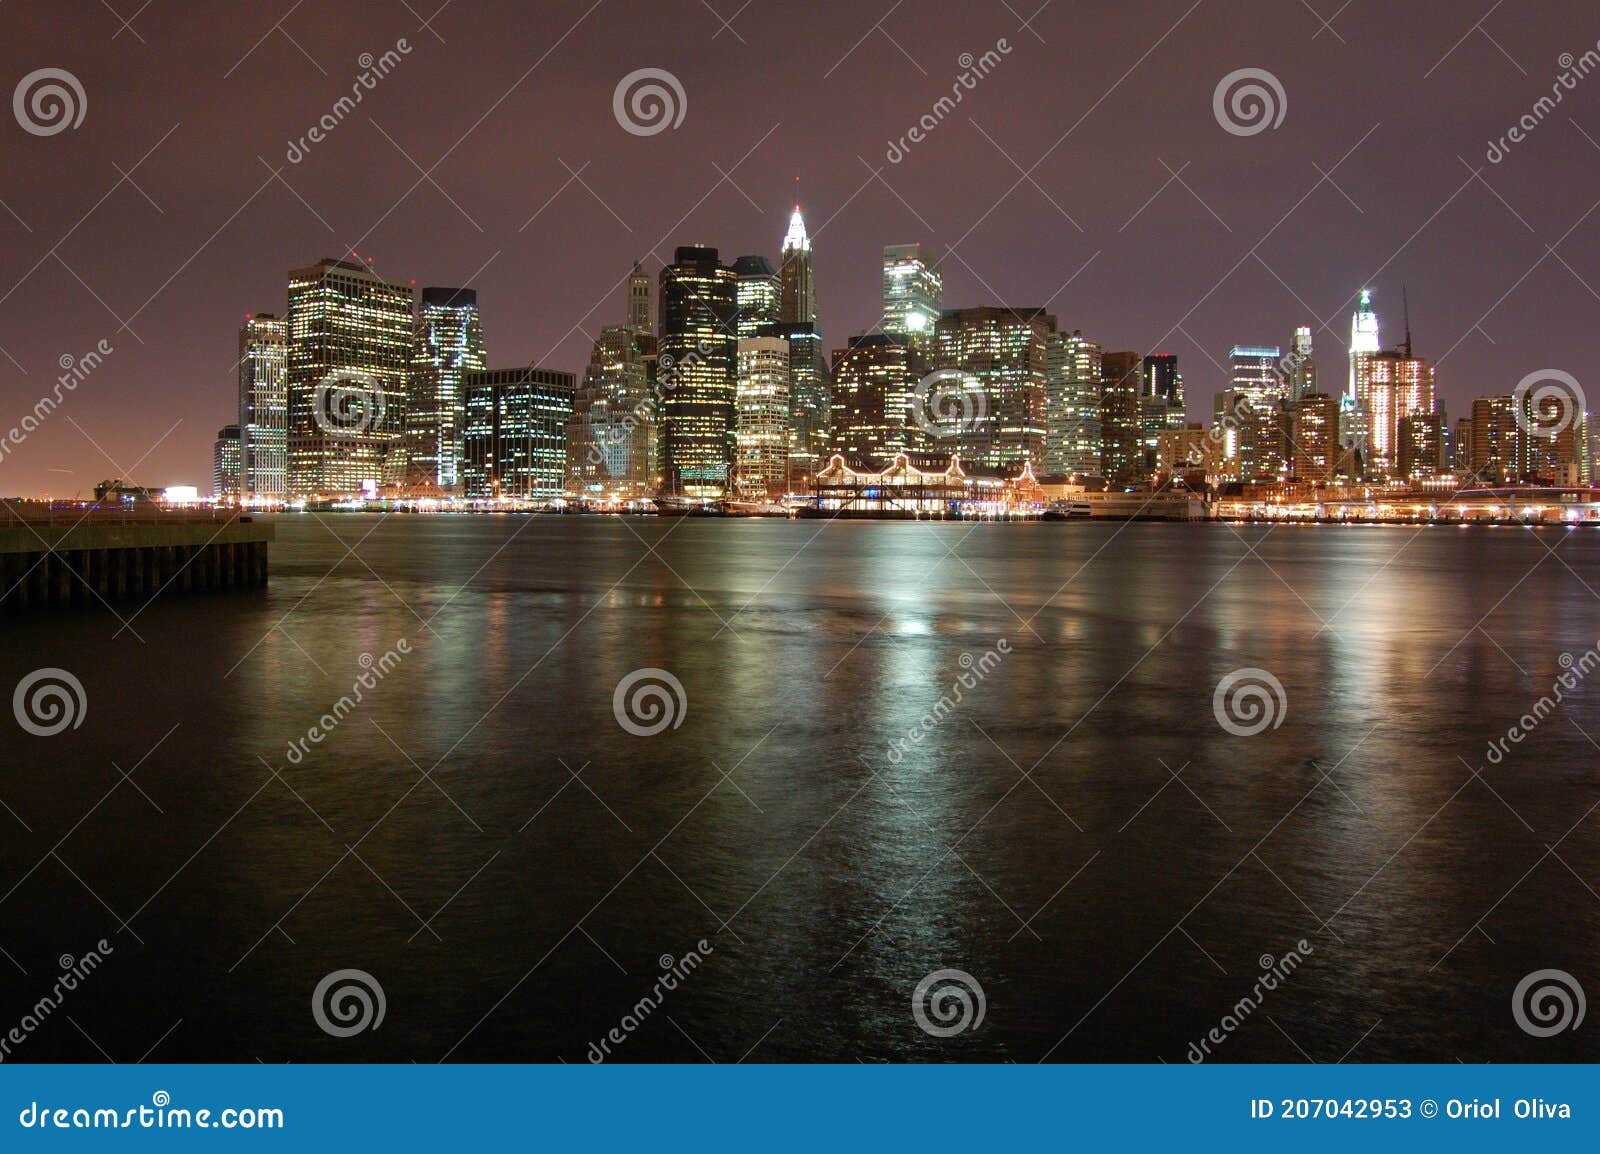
{"x": 1102, "y": 102}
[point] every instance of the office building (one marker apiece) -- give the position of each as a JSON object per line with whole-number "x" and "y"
{"x": 612, "y": 437}
{"x": 225, "y": 463}
{"x": 762, "y": 437}
{"x": 913, "y": 291}
{"x": 448, "y": 344}
{"x": 758, "y": 294}
{"x": 696, "y": 374}
{"x": 1004, "y": 353}
{"x": 263, "y": 409}
{"x": 514, "y": 443}
{"x": 873, "y": 381}
{"x": 641, "y": 311}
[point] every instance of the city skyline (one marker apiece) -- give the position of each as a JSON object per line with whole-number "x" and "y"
{"x": 1420, "y": 209}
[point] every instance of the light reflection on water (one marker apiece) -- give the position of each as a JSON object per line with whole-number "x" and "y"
{"x": 485, "y": 788}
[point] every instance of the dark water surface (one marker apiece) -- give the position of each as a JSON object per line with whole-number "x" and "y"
{"x": 1035, "y": 837}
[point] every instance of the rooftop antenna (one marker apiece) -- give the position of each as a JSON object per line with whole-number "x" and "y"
{"x": 1406, "y": 306}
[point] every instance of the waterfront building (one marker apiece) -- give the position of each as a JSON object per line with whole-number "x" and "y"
{"x": 1314, "y": 438}
{"x": 1003, "y": 355}
{"x": 1420, "y": 452}
{"x": 1072, "y": 406}
{"x": 612, "y": 437}
{"x": 641, "y": 312}
{"x": 1497, "y": 440}
{"x": 873, "y": 382}
{"x": 514, "y": 442}
{"x": 696, "y": 374}
{"x": 1121, "y": 426}
{"x": 263, "y": 409}
{"x": 448, "y": 344}
{"x": 350, "y": 339}
{"x": 762, "y": 439}
{"x": 916, "y": 487}
{"x": 1181, "y": 450}
{"x": 758, "y": 294}
{"x": 1390, "y": 386}
{"x": 1262, "y": 447}
{"x": 225, "y": 463}
{"x": 913, "y": 292}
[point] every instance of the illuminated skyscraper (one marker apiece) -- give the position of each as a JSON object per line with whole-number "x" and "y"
{"x": 1354, "y": 429}
{"x": 1420, "y": 450}
{"x": 225, "y": 462}
{"x": 1005, "y": 353}
{"x": 1390, "y": 386}
{"x": 1162, "y": 379}
{"x": 1121, "y": 431}
{"x": 449, "y": 343}
{"x": 1072, "y": 406}
{"x": 912, "y": 293}
{"x": 873, "y": 379}
{"x": 696, "y": 374}
{"x": 1301, "y": 365}
{"x": 263, "y": 409}
{"x": 612, "y": 438}
{"x": 515, "y": 435}
{"x": 1160, "y": 403}
{"x": 1262, "y": 423}
{"x": 758, "y": 294}
{"x": 1363, "y": 335}
{"x": 641, "y": 316}
{"x": 762, "y": 466}
{"x": 798, "y": 293}
{"x": 1314, "y": 438}
{"x": 810, "y": 386}
{"x": 350, "y": 337}
{"x": 1498, "y": 453}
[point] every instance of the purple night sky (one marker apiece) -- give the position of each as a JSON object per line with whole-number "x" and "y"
{"x": 509, "y": 106}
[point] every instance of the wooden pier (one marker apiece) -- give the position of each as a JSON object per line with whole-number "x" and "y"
{"x": 58, "y": 558}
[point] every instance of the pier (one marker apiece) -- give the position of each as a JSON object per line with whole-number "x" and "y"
{"x": 61, "y": 557}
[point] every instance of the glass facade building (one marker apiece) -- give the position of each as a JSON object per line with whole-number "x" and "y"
{"x": 449, "y": 344}
{"x": 515, "y": 437}
{"x": 696, "y": 373}
{"x": 263, "y": 409}
{"x": 913, "y": 292}
{"x": 873, "y": 380}
{"x": 762, "y": 464}
{"x": 1005, "y": 353}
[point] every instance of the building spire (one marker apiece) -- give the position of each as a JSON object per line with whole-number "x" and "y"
{"x": 796, "y": 239}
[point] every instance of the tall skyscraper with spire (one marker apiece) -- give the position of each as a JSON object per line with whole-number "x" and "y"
{"x": 641, "y": 314}
{"x": 798, "y": 293}
{"x": 1354, "y": 422}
